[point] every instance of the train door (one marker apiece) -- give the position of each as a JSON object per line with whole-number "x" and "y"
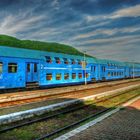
{"x": 103, "y": 72}
{"x": 126, "y": 72}
{"x": 31, "y": 72}
{"x": 93, "y": 73}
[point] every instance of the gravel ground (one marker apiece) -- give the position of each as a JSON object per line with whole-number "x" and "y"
{"x": 124, "y": 125}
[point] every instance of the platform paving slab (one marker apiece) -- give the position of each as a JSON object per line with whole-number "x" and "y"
{"x": 123, "y": 125}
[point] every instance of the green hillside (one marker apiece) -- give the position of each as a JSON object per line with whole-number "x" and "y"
{"x": 38, "y": 45}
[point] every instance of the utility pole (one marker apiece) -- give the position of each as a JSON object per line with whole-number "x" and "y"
{"x": 133, "y": 71}
{"x": 85, "y": 67}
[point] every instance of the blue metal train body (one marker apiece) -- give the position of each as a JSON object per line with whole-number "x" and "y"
{"x": 18, "y": 67}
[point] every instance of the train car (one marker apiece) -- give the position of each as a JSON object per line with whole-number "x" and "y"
{"x": 133, "y": 70}
{"x": 62, "y": 69}
{"x": 21, "y": 68}
{"x": 110, "y": 70}
{"x": 18, "y": 67}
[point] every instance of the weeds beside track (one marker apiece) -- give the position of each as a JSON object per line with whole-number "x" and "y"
{"x": 74, "y": 110}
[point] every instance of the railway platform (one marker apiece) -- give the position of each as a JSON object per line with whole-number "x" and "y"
{"x": 17, "y": 116}
{"x": 123, "y": 125}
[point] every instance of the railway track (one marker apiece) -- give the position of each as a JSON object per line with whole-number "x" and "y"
{"x": 67, "y": 111}
{"x": 65, "y": 128}
{"x": 34, "y": 90}
{"x": 65, "y": 95}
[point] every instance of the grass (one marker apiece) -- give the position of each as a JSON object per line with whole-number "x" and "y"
{"x": 121, "y": 98}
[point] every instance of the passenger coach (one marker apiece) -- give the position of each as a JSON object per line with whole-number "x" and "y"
{"x": 20, "y": 68}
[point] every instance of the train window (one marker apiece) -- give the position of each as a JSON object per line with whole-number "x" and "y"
{"x": 28, "y": 67}
{"x": 58, "y": 76}
{"x": 48, "y": 76}
{"x": 94, "y": 68}
{"x": 66, "y": 76}
{"x": 57, "y": 60}
{"x": 103, "y": 68}
{"x": 73, "y": 61}
{"x": 1, "y": 65}
{"x": 48, "y": 59}
{"x": 73, "y": 75}
{"x": 12, "y": 67}
{"x": 79, "y": 62}
{"x": 80, "y": 75}
{"x": 35, "y": 67}
{"x": 66, "y": 61}
{"x": 109, "y": 74}
{"x": 87, "y": 75}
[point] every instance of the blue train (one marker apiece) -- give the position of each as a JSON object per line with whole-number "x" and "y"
{"x": 22, "y": 67}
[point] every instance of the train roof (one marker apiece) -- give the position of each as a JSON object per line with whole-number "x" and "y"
{"x": 7, "y": 51}
{"x": 34, "y": 54}
{"x": 112, "y": 62}
{"x": 132, "y": 64}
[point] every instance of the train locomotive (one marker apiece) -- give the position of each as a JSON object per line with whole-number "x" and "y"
{"x": 20, "y": 68}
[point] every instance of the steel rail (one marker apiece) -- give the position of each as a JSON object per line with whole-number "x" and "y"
{"x": 73, "y": 124}
{"x": 54, "y": 96}
{"x": 57, "y": 114}
{"x": 38, "y": 88}
{"x": 80, "y": 121}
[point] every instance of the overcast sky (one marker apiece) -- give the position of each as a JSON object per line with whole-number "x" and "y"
{"x": 103, "y": 28}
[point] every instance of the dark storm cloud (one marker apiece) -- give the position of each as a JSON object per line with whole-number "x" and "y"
{"x": 98, "y": 26}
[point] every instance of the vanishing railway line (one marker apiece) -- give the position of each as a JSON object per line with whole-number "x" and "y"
{"x": 74, "y": 109}
{"x": 65, "y": 95}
